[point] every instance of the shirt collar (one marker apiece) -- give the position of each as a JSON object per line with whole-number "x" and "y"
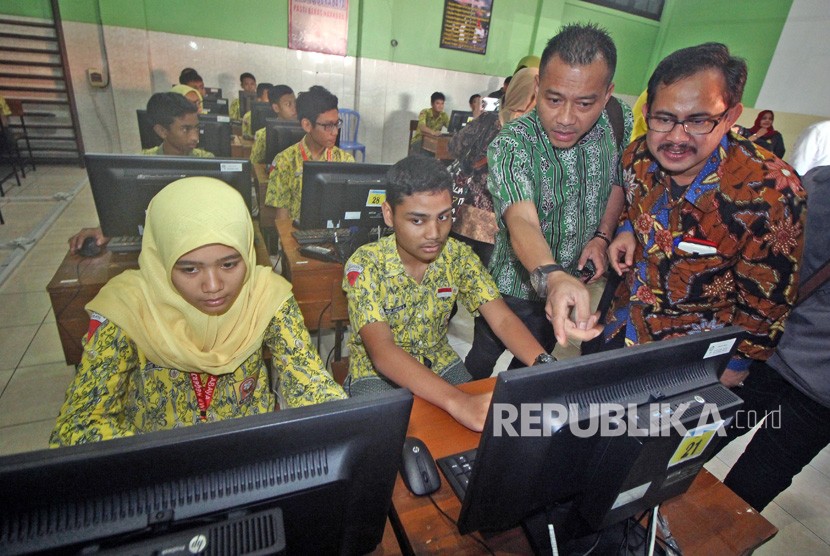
{"x": 700, "y": 191}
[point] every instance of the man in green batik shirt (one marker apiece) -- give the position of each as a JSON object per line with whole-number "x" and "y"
{"x": 556, "y": 185}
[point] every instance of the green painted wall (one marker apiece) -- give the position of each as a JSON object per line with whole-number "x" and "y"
{"x": 519, "y": 27}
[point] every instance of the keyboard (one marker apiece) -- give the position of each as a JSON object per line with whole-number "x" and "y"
{"x": 458, "y": 469}
{"x": 124, "y": 244}
{"x": 320, "y": 235}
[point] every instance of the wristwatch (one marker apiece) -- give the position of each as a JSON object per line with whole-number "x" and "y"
{"x": 543, "y": 359}
{"x": 539, "y": 278}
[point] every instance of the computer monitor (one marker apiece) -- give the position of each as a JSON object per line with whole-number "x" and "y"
{"x": 341, "y": 194}
{"x": 604, "y": 447}
{"x": 215, "y": 134}
{"x": 458, "y": 119}
{"x": 246, "y": 99}
{"x": 329, "y": 468}
{"x": 217, "y": 106}
{"x": 122, "y": 185}
{"x": 212, "y": 93}
{"x": 148, "y": 136}
{"x": 279, "y": 135}
{"x": 260, "y": 111}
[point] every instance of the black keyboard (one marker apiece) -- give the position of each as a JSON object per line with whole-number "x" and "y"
{"x": 458, "y": 469}
{"x": 124, "y": 244}
{"x": 320, "y": 235}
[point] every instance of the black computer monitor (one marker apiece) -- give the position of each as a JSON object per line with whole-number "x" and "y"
{"x": 342, "y": 194}
{"x": 458, "y": 119}
{"x": 212, "y": 93}
{"x": 122, "y": 185}
{"x": 149, "y": 137}
{"x": 260, "y": 111}
{"x": 534, "y": 457}
{"x": 246, "y": 99}
{"x": 329, "y": 468}
{"x": 279, "y": 135}
{"x": 215, "y": 134}
{"x": 218, "y": 106}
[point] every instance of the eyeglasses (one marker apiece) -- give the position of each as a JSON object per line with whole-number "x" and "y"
{"x": 692, "y": 126}
{"x": 330, "y": 127}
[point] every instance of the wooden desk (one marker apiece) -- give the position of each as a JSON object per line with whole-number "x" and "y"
{"x": 314, "y": 282}
{"x": 439, "y": 146}
{"x": 78, "y": 279}
{"x": 708, "y": 519}
{"x": 242, "y": 149}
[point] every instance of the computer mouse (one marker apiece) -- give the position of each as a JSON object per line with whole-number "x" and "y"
{"x": 90, "y": 248}
{"x": 418, "y": 469}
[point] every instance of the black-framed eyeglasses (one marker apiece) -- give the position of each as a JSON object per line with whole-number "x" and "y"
{"x": 330, "y": 127}
{"x": 692, "y": 126}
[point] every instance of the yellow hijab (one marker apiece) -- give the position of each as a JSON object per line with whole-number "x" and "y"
{"x": 520, "y": 96}
{"x": 188, "y": 214}
{"x": 185, "y": 90}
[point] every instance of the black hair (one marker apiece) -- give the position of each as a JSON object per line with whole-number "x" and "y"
{"x": 436, "y": 96}
{"x": 416, "y": 174}
{"x": 163, "y": 108}
{"x": 473, "y": 98}
{"x": 314, "y": 102}
{"x": 579, "y": 45}
{"x": 262, "y": 88}
{"x": 276, "y": 92}
{"x": 689, "y": 61}
{"x": 189, "y": 75}
{"x": 246, "y": 75}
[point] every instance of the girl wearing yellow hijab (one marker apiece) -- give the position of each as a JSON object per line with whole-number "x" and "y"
{"x": 179, "y": 340}
{"x": 190, "y": 94}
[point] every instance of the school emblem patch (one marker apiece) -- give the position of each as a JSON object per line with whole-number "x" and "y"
{"x": 353, "y": 272}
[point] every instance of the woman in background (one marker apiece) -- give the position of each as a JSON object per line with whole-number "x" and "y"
{"x": 764, "y": 135}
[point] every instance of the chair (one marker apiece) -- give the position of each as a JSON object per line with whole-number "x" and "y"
{"x": 348, "y": 132}
{"x": 9, "y": 157}
{"x": 16, "y": 107}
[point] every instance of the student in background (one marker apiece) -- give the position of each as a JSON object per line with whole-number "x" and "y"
{"x": 179, "y": 341}
{"x": 191, "y": 94}
{"x": 261, "y": 96}
{"x": 284, "y": 104}
{"x": 191, "y": 78}
{"x": 317, "y": 110}
{"x": 247, "y": 82}
{"x": 402, "y": 288}
{"x": 176, "y": 122}
{"x": 475, "y": 105}
{"x": 430, "y": 122}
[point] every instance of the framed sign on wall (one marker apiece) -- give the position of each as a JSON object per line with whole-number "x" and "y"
{"x": 466, "y": 25}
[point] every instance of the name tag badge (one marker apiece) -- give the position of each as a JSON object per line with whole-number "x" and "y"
{"x": 698, "y": 246}
{"x": 445, "y": 292}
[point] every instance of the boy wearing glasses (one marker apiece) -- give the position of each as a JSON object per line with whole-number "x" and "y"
{"x": 318, "y": 115}
{"x": 713, "y": 230}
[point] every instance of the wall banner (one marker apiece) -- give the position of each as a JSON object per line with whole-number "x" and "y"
{"x": 318, "y": 25}
{"x": 466, "y": 25}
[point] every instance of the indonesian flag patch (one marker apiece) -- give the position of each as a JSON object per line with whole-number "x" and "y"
{"x": 445, "y": 292}
{"x": 353, "y": 271}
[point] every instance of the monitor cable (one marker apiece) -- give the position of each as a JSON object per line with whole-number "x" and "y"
{"x": 451, "y": 520}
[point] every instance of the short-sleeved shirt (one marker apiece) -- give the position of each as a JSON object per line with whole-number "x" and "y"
{"x": 435, "y": 123}
{"x": 258, "y": 149}
{"x": 750, "y": 207}
{"x": 379, "y": 289}
{"x": 285, "y": 183}
{"x": 196, "y": 153}
{"x": 569, "y": 187}
{"x": 233, "y": 110}
{"x": 4, "y": 107}
{"x": 118, "y": 392}
{"x": 246, "y": 124}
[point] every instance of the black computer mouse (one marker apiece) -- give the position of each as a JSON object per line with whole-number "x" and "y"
{"x": 90, "y": 248}
{"x": 418, "y": 469}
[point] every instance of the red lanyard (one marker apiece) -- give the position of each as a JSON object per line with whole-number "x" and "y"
{"x": 305, "y": 155}
{"x": 204, "y": 394}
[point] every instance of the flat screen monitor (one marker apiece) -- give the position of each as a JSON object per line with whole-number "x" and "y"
{"x": 342, "y": 194}
{"x": 149, "y": 137}
{"x": 279, "y": 135}
{"x": 596, "y": 435}
{"x": 458, "y": 119}
{"x": 330, "y": 469}
{"x": 260, "y": 111}
{"x": 212, "y": 93}
{"x": 217, "y": 106}
{"x": 122, "y": 185}
{"x": 215, "y": 134}
{"x": 246, "y": 99}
